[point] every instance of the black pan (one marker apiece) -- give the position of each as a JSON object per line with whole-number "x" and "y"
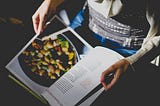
{"x": 42, "y": 80}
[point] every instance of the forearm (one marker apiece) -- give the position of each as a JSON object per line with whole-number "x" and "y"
{"x": 58, "y": 2}
{"x": 148, "y": 52}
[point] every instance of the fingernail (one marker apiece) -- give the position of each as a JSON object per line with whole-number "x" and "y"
{"x": 101, "y": 80}
{"x": 39, "y": 32}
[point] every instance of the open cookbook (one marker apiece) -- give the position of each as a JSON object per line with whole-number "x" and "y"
{"x": 60, "y": 67}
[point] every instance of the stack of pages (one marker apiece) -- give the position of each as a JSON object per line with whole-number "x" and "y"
{"x": 60, "y": 67}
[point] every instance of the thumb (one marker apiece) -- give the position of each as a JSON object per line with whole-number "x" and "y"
{"x": 106, "y": 72}
{"x": 41, "y": 24}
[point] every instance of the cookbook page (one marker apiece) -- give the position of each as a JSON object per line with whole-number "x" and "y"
{"x": 48, "y": 56}
{"x": 82, "y": 78}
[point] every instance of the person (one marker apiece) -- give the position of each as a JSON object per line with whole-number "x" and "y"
{"x": 131, "y": 28}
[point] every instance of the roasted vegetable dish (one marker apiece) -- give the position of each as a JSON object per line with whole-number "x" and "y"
{"x": 50, "y": 58}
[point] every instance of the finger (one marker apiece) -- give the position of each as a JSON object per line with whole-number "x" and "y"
{"x": 41, "y": 24}
{"x": 35, "y": 20}
{"x": 107, "y": 72}
{"x": 113, "y": 82}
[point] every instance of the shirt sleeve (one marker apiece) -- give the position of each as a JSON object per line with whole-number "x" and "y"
{"x": 149, "y": 51}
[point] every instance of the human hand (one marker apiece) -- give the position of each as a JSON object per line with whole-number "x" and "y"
{"x": 118, "y": 69}
{"x": 46, "y": 9}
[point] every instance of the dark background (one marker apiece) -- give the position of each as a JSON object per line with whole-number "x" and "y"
{"x": 14, "y": 35}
